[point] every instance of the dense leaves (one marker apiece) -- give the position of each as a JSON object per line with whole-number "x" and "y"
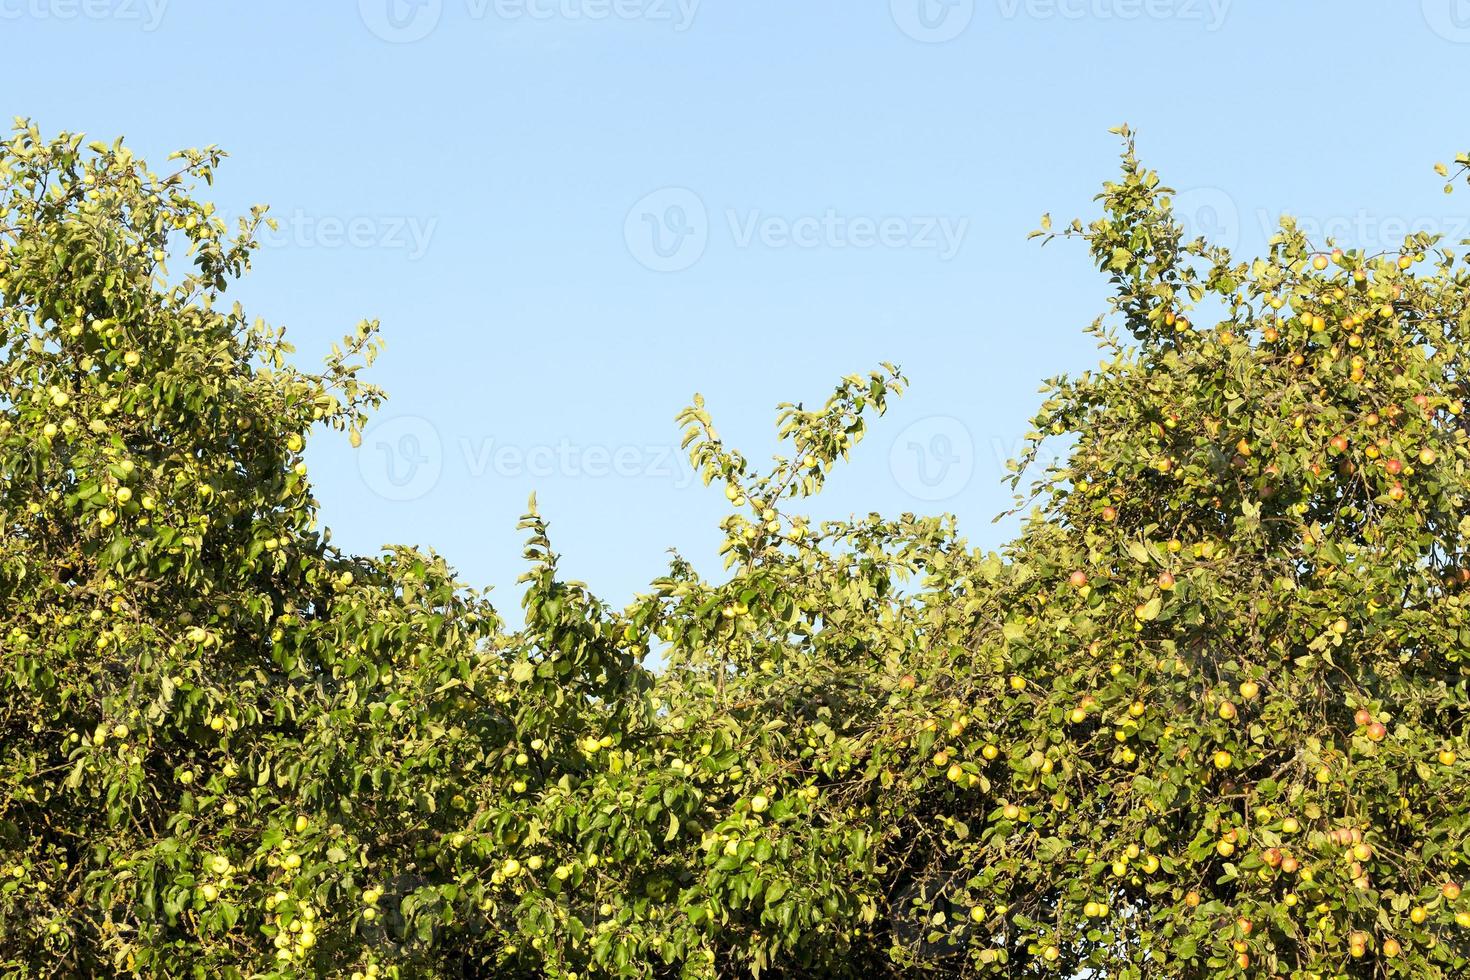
{"x": 1206, "y": 716}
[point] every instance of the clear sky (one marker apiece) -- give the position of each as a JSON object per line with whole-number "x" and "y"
{"x": 570, "y": 215}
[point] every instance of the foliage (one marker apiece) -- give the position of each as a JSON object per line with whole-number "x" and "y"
{"x": 1206, "y": 716}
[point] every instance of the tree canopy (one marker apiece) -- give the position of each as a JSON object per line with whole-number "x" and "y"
{"x": 1205, "y": 716}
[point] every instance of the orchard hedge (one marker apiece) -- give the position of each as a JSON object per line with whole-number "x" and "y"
{"x": 1205, "y": 717}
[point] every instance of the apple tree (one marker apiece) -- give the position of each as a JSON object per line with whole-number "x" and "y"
{"x": 1205, "y": 716}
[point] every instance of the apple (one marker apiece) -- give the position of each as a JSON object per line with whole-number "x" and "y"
{"x": 907, "y": 682}
{"x": 941, "y": 759}
{"x": 1077, "y": 716}
{"x": 1450, "y": 890}
{"x": 1319, "y": 263}
{"x": 1290, "y": 825}
{"x": 1110, "y": 513}
{"x": 1228, "y": 711}
{"x": 1446, "y": 757}
{"x": 977, "y": 913}
{"x": 1077, "y": 579}
{"x": 1166, "y": 581}
{"x": 1249, "y": 690}
{"x": 1377, "y": 731}
{"x": 1393, "y": 467}
{"x": 1222, "y": 759}
{"x": 1018, "y": 683}
{"x": 1418, "y": 914}
{"x": 1011, "y": 812}
{"x": 1339, "y": 443}
{"x": 1363, "y": 717}
{"x": 990, "y": 752}
{"x": 1191, "y": 899}
{"x": 1427, "y": 456}
{"x": 1391, "y": 948}
{"x": 1290, "y": 865}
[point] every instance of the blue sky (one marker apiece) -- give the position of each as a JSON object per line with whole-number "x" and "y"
{"x": 570, "y": 215}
